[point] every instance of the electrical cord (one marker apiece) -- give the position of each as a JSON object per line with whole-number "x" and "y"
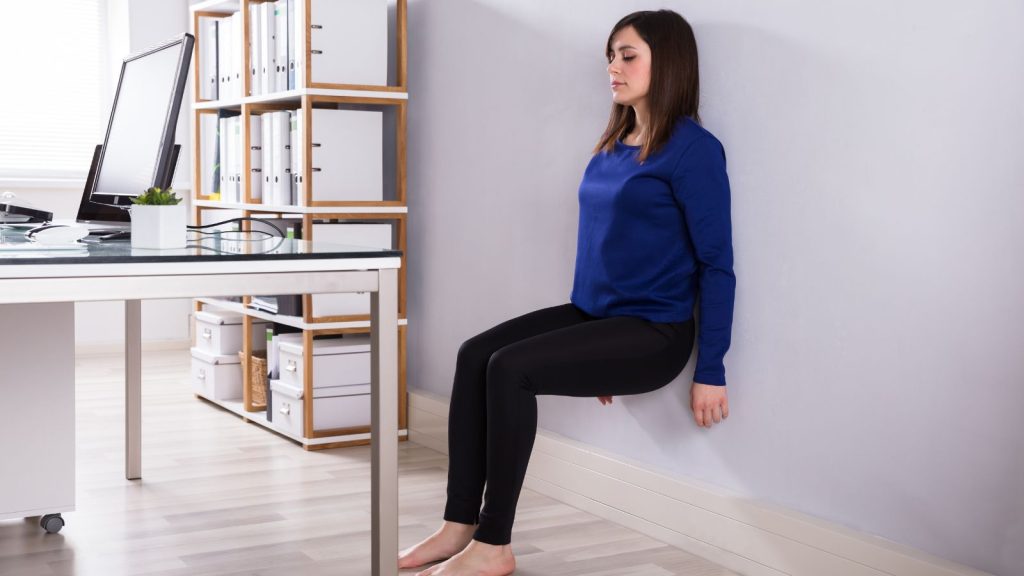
{"x": 240, "y": 219}
{"x": 220, "y": 235}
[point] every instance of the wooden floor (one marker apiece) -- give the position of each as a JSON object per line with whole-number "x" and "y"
{"x": 219, "y": 496}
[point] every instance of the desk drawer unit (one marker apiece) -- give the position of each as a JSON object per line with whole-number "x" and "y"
{"x": 37, "y": 430}
{"x": 333, "y": 407}
{"x": 216, "y": 377}
{"x": 336, "y": 362}
{"x": 220, "y": 332}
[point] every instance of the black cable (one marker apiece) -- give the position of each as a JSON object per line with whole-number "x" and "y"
{"x": 269, "y": 223}
{"x": 219, "y": 251}
{"x": 221, "y": 235}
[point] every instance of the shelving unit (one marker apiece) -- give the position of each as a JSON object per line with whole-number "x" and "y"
{"x": 306, "y": 97}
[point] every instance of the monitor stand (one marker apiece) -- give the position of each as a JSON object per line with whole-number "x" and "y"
{"x": 108, "y": 219}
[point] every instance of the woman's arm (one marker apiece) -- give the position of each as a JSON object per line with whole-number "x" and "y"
{"x": 701, "y": 186}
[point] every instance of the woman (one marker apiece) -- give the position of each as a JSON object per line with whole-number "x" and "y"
{"x": 654, "y": 233}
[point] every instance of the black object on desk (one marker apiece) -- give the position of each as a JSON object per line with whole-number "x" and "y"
{"x": 104, "y": 235}
{"x": 14, "y": 214}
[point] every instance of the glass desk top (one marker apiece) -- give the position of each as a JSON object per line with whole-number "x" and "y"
{"x": 14, "y": 249}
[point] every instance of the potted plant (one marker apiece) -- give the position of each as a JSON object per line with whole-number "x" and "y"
{"x": 158, "y": 220}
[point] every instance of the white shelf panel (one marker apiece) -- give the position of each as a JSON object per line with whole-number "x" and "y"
{"x": 303, "y": 209}
{"x": 293, "y": 96}
{"x": 293, "y": 321}
{"x": 216, "y": 6}
{"x": 261, "y": 419}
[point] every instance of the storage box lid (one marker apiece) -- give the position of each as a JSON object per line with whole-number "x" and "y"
{"x": 349, "y": 390}
{"x": 347, "y": 345}
{"x": 214, "y": 358}
{"x": 289, "y": 337}
{"x": 223, "y": 317}
{"x": 288, "y": 390}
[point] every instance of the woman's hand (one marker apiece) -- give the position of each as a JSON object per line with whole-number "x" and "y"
{"x": 604, "y": 399}
{"x": 709, "y": 403}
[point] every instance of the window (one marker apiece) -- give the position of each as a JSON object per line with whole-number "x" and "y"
{"x": 53, "y": 107}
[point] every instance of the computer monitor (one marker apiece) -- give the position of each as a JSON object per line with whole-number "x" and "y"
{"x": 139, "y": 143}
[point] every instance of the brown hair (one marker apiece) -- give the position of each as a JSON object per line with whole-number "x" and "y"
{"x": 675, "y": 83}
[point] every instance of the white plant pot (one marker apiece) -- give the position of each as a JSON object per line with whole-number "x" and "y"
{"x": 158, "y": 226}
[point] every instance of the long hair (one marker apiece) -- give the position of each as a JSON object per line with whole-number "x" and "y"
{"x": 675, "y": 82}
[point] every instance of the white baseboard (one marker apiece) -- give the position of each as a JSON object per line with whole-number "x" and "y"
{"x": 108, "y": 348}
{"x": 745, "y": 536}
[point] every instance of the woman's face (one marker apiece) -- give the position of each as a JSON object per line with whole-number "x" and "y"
{"x": 629, "y": 67}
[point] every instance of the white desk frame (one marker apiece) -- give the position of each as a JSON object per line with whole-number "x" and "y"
{"x": 133, "y": 282}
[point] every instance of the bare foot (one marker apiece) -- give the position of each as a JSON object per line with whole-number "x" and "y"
{"x": 477, "y": 559}
{"x": 449, "y": 539}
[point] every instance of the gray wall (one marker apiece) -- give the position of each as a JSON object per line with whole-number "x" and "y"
{"x": 874, "y": 152}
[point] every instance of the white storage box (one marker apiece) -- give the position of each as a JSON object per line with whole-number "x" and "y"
{"x": 336, "y": 362}
{"x": 219, "y": 332}
{"x": 333, "y": 407}
{"x": 216, "y": 377}
{"x": 370, "y": 235}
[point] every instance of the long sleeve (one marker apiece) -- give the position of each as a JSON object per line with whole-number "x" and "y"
{"x": 701, "y": 187}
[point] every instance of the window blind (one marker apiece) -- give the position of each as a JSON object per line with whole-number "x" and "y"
{"x": 52, "y": 103}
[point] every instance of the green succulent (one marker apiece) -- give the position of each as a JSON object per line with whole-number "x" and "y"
{"x": 157, "y": 197}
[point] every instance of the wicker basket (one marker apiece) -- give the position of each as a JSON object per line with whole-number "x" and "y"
{"x": 257, "y": 379}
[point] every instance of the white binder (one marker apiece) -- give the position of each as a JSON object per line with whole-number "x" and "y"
{"x": 267, "y": 46}
{"x": 209, "y": 148}
{"x": 224, "y": 58}
{"x": 255, "y": 86}
{"x": 348, "y": 154}
{"x": 236, "y": 157}
{"x": 281, "y": 50}
{"x": 299, "y": 163}
{"x": 227, "y": 193}
{"x": 286, "y": 154}
{"x": 299, "y": 42}
{"x": 236, "y": 55}
{"x": 279, "y": 159}
{"x": 294, "y": 119}
{"x": 256, "y": 157}
{"x": 266, "y": 127}
{"x": 292, "y": 44}
{"x": 225, "y": 179}
{"x": 208, "y": 58}
{"x": 340, "y": 30}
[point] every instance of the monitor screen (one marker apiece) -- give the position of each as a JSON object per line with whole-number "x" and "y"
{"x": 137, "y": 148}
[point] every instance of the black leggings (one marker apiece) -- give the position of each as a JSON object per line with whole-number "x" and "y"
{"x": 492, "y": 419}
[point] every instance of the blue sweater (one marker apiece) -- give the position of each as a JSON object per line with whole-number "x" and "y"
{"x": 654, "y": 236}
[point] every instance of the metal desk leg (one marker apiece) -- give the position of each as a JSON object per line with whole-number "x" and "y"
{"x": 384, "y": 425}
{"x": 133, "y": 389}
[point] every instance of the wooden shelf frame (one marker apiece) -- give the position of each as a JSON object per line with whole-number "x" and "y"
{"x": 305, "y": 106}
{"x": 221, "y": 8}
{"x": 401, "y": 243}
{"x": 307, "y": 397}
{"x": 323, "y": 442}
{"x": 305, "y": 98}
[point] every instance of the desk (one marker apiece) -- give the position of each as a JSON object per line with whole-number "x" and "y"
{"x": 115, "y": 271}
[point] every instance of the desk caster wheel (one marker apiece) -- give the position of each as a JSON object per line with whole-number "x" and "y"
{"x": 52, "y": 523}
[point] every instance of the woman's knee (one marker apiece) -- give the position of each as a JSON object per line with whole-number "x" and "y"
{"x": 474, "y": 350}
{"x": 504, "y": 365}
